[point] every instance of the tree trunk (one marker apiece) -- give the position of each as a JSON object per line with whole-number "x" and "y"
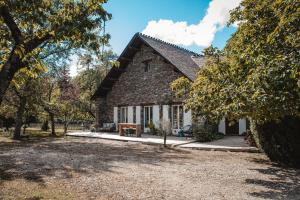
{"x": 19, "y": 118}
{"x": 165, "y": 138}
{"x": 45, "y": 126}
{"x": 7, "y": 73}
{"x": 65, "y": 128}
{"x": 51, "y": 115}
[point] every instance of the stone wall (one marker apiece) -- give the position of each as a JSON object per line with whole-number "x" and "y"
{"x": 138, "y": 87}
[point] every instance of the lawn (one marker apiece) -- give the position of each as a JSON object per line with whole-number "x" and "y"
{"x": 81, "y": 168}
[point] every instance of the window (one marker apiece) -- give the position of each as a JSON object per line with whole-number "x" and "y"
{"x": 177, "y": 116}
{"x": 148, "y": 115}
{"x": 146, "y": 65}
{"x": 123, "y": 115}
{"x": 134, "y": 114}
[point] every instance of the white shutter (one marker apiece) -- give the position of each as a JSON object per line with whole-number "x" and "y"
{"x": 130, "y": 114}
{"x": 138, "y": 115}
{"x": 116, "y": 116}
{"x": 187, "y": 118}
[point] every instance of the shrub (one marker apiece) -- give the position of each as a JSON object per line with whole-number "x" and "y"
{"x": 280, "y": 140}
{"x": 206, "y": 132}
{"x": 152, "y": 128}
{"x": 164, "y": 127}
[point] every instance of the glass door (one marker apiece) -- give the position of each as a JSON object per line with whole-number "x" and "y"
{"x": 148, "y": 117}
{"x": 124, "y": 114}
{"x": 177, "y": 116}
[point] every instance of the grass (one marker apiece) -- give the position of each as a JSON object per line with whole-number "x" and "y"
{"x": 34, "y": 133}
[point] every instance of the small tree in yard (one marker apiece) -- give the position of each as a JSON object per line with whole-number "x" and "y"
{"x": 258, "y": 77}
{"x": 69, "y": 95}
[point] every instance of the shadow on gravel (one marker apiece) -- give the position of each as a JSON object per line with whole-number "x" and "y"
{"x": 62, "y": 158}
{"x": 284, "y": 183}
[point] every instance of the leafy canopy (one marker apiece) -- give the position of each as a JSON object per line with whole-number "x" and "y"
{"x": 33, "y": 30}
{"x": 258, "y": 75}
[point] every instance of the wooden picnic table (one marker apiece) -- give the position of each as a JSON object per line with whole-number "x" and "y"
{"x": 125, "y": 126}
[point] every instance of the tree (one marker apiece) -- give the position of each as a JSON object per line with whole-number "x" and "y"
{"x": 68, "y": 99}
{"x": 21, "y": 101}
{"x": 27, "y": 27}
{"x": 258, "y": 76}
{"x": 93, "y": 69}
{"x": 50, "y": 98}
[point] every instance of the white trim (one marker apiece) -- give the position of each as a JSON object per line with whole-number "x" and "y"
{"x": 166, "y": 112}
{"x": 138, "y": 115}
{"x": 130, "y": 114}
{"x": 156, "y": 119}
{"x": 187, "y": 118}
{"x": 116, "y": 117}
{"x": 222, "y": 126}
{"x": 242, "y": 126}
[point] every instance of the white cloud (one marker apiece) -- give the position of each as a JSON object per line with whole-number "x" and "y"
{"x": 201, "y": 34}
{"x": 74, "y": 66}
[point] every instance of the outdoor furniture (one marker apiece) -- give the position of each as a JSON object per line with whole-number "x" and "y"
{"x": 109, "y": 127}
{"x": 186, "y": 131}
{"x": 130, "y": 129}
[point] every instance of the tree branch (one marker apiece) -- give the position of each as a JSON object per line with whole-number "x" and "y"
{"x": 13, "y": 27}
{"x": 35, "y": 42}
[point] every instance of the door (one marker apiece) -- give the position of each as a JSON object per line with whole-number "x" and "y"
{"x": 148, "y": 117}
{"x": 124, "y": 115}
{"x": 232, "y": 127}
{"x": 177, "y": 118}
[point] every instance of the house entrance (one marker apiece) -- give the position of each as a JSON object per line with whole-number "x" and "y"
{"x": 232, "y": 127}
{"x": 148, "y": 117}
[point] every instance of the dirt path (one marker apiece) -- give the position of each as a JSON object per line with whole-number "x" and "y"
{"x": 77, "y": 168}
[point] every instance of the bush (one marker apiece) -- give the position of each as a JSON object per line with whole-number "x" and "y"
{"x": 280, "y": 140}
{"x": 152, "y": 128}
{"x": 164, "y": 128}
{"x": 206, "y": 133}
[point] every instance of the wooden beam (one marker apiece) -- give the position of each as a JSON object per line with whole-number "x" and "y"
{"x": 113, "y": 79}
{"x": 105, "y": 88}
{"x": 134, "y": 48}
{"x": 121, "y": 70}
{"x": 124, "y": 58}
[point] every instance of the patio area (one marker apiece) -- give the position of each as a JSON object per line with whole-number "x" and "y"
{"x": 228, "y": 143}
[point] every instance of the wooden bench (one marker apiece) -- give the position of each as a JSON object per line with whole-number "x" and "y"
{"x": 126, "y": 126}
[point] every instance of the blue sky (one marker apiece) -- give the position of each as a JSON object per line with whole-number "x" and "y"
{"x": 131, "y": 16}
{"x": 192, "y": 24}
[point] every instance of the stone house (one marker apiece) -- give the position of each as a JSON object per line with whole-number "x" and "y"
{"x": 138, "y": 91}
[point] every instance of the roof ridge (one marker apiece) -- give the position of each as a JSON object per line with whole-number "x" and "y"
{"x": 168, "y": 43}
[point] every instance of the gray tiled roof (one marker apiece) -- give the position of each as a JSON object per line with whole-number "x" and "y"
{"x": 184, "y": 60}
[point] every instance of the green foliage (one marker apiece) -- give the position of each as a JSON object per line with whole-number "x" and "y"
{"x": 280, "y": 140}
{"x": 33, "y": 32}
{"x": 258, "y": 76}
{"x": 94, "y": 68}
{"x": 152, "y": 128}
{"x": 258, "y": 73}
{"x": 206, "y": 132}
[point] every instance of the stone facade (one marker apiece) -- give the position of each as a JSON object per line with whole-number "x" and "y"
{"x": 137, "y": 87}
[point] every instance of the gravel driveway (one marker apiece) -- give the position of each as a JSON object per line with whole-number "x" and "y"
{"x": 80, "y": 168}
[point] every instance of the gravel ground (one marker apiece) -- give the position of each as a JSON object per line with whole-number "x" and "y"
{"x": 79, "y": 168}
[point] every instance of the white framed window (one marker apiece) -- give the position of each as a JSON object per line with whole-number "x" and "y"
{"x": 177, "y": 116}
{"x": 148, "y": 116}
{"x": 124, "y": 115}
